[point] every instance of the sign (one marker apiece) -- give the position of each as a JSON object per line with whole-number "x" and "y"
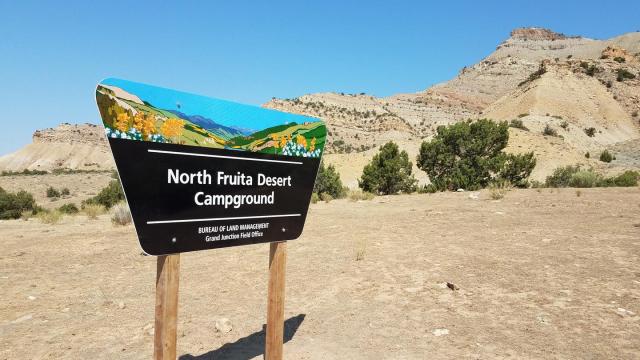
{"x": 201, "y": 173}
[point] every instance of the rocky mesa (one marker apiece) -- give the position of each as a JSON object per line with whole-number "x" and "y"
{"x": 67, "y": 146}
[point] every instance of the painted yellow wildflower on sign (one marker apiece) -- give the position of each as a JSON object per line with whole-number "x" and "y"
{"x": 172, "y": 128}
{"x": 122, "y": 122}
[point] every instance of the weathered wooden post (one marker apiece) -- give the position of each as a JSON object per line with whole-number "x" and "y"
{"x": 275, "y": 301}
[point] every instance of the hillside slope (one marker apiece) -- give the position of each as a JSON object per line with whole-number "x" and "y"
{"x": 578, "y": 89}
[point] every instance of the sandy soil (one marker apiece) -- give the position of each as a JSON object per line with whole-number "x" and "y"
{"x": 541, "y": 275}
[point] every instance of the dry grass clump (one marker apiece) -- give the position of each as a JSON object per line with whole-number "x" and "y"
{"x": 50, "y": 217}
{"x": 120, "y": 214}
{"x": 360, "y": 195}
{"x": 498, "y": 189}
{"x": 326, "y": 197}
{"x": 361, "y": 249}
{"x": 93, "y": 210}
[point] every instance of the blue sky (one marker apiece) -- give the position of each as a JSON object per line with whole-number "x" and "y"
{"x": 52, "y": 54}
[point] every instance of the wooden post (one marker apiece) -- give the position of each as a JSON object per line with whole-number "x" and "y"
{"x": 275, "y": 301}
{"x": 167, "y": 279}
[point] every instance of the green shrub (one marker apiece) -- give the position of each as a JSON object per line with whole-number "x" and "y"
{"x": 70, "y": 208}
{"x": 564, "y": 125}
{"x": 535, "y": 75}
{"x": 548, "y": 130}
{"x": 628, "y": 178}
{"x": 516, "y": 169}
{"x": 591, "y": 132}
{"x": 108, "y": 196}
{"x": 587, "y": 155}
{"x": 561, "y": 176}
{"x": 65, "y": 192}
{"x": 328, "y": 181}
{"x": 389, "y": 172}
{"x": 469, "y": 155}
{"x": 13, "y": 205}
{"x": 518, "y": 124}
{"x": 314, "y": 198}
{"x": 623, "y": 74}
{"x": 584, "y": 179}
{"x": 52, "y": 192}
{"x": 619, "y": 59}
{"x": 606, "y": 156}
{"x": 429, "y": 189}
{"x": 23, "y": 172}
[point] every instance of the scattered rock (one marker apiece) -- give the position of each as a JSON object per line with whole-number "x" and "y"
{"x": 460, "y": 190}
{"x": 624, "y": 312}
{"x": 31, "y": 297}
{"x": 474, "y": 196}
{"x": 121, "y": 305}
{"x": 148, "y": 329}
{"x": 440, "y": 332}
{"x": 543, "y": 319}
{"x": 452, "y": 286}
{"x": 223, "y": 325}
{"x": 22, "y": 318}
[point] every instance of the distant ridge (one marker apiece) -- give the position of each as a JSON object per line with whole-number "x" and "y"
{"x": 226, "y": 132}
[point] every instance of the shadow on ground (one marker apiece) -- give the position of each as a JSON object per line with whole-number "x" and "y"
{"x": 247, "y": 347}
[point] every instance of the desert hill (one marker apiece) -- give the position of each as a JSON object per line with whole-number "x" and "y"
{"x": 536, "y": 75}
{"x": 543, "y": 78}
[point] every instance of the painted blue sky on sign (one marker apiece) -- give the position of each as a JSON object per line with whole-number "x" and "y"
{"x": 221, "y": 111}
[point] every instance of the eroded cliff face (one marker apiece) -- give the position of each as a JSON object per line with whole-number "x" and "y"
{"x": 72, "y": 133}
{"x": 67, "y": 146}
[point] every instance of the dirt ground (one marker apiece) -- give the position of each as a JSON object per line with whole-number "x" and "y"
{"x": 541, "y": 274}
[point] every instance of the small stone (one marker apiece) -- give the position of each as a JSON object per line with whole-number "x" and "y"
{"x": 624, "y": 312}
{"x": 31, "y": 297}
{"x": 474, "y": 196}
{"x": 452, "y": 286}
{"x": 223, "y": 325}
{"x": 121, "y": 305}
{"x": 440, "y": 332}
{"x": 148, "y": 329}
{"x": 65, "y": 310}
{"x": 460, "y": 190}
{"x": 22, "y": 318}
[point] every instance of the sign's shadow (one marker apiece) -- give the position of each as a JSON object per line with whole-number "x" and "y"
{"x": 248, "y": 347}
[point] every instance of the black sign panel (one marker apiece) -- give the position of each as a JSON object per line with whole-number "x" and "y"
{"x": 188, "y": 198}
{"x": 193, "y": 183}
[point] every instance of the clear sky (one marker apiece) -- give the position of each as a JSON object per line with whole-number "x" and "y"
{"x": 52, "y": 54}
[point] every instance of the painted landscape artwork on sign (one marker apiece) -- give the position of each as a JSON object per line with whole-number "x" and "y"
{"x": 201, "y": 173}
{"x": 143, "y": 112}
